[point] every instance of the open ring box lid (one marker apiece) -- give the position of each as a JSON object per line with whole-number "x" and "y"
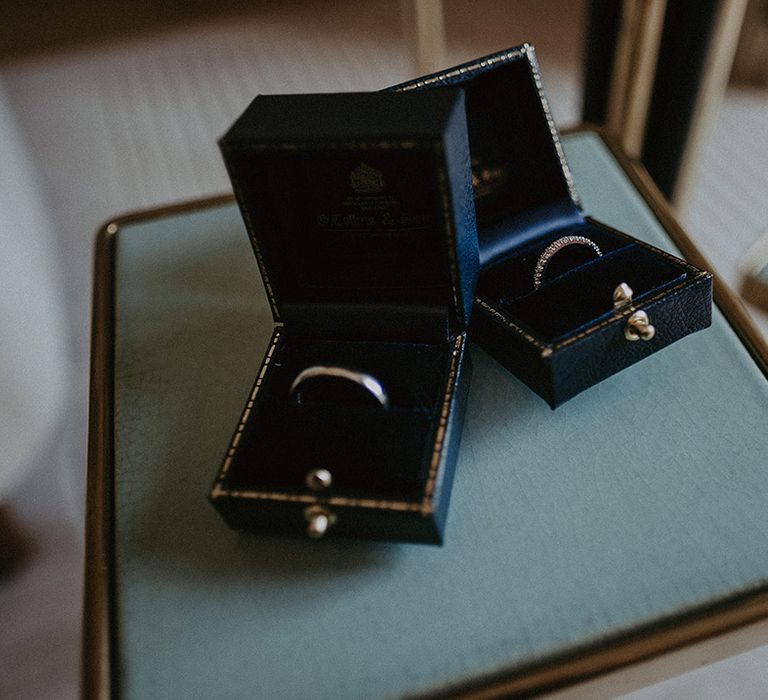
{"x": 360, "y": 211}
{"x": 565, "y": 336}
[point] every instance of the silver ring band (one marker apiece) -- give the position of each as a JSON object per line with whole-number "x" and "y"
{"x": 555, "y": 247}
{"x": 366, "y": 381}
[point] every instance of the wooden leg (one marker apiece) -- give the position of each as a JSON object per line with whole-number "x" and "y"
{"x": 717, "y": 70}
{"x": 424, "y": 32}
{"x": 634, "y": 69}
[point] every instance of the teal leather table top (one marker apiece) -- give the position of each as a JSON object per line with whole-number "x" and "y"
{"x": 644, "y": 496}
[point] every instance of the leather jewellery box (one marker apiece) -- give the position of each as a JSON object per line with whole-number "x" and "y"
{"x": 359, "y": 208}
{"x": 563, "y": 301}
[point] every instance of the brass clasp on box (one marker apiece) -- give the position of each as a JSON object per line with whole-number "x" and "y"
{"x": 318, "y": 479}
{"x": 319, "y": 520}
{"x": 638, "y": 324}
{"x": 622, "y": 297}
{"x": 639, "y": 327}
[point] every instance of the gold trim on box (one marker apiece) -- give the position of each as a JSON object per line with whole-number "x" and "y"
{"x": 217, "y": 490}
{"x": 442, "y": 426}
{"x": 99, "y": 634}
{"x": 529, "y": 52}
{"x": 449, "y": 224}
{"x": 424, "y": 508}
{"x": 548, "y": 348}
{"x": 697, "y": 276}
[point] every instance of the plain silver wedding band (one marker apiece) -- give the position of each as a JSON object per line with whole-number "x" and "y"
{"x": 553, "y": 249}
{"x": 369, "y": 383}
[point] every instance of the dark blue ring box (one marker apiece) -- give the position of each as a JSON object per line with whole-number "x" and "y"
{"x": 565, "y": 336}
{"x": 360, "y": 211}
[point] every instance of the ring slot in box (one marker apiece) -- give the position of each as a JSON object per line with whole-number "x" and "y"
{"x": 360, "y": 211}
{"x": 559, "y": 316}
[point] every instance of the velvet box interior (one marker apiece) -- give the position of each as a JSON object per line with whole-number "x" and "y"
{"x": 576, "y": 327}
{"x": 359, "y": 209}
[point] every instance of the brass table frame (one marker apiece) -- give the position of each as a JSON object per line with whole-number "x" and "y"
{"x": 99, "y": 657}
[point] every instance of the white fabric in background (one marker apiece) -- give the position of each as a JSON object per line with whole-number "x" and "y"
{"x": 35, "y": 364}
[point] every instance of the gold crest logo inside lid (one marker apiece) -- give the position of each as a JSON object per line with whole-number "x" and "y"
{"x": 366, "y": 179}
